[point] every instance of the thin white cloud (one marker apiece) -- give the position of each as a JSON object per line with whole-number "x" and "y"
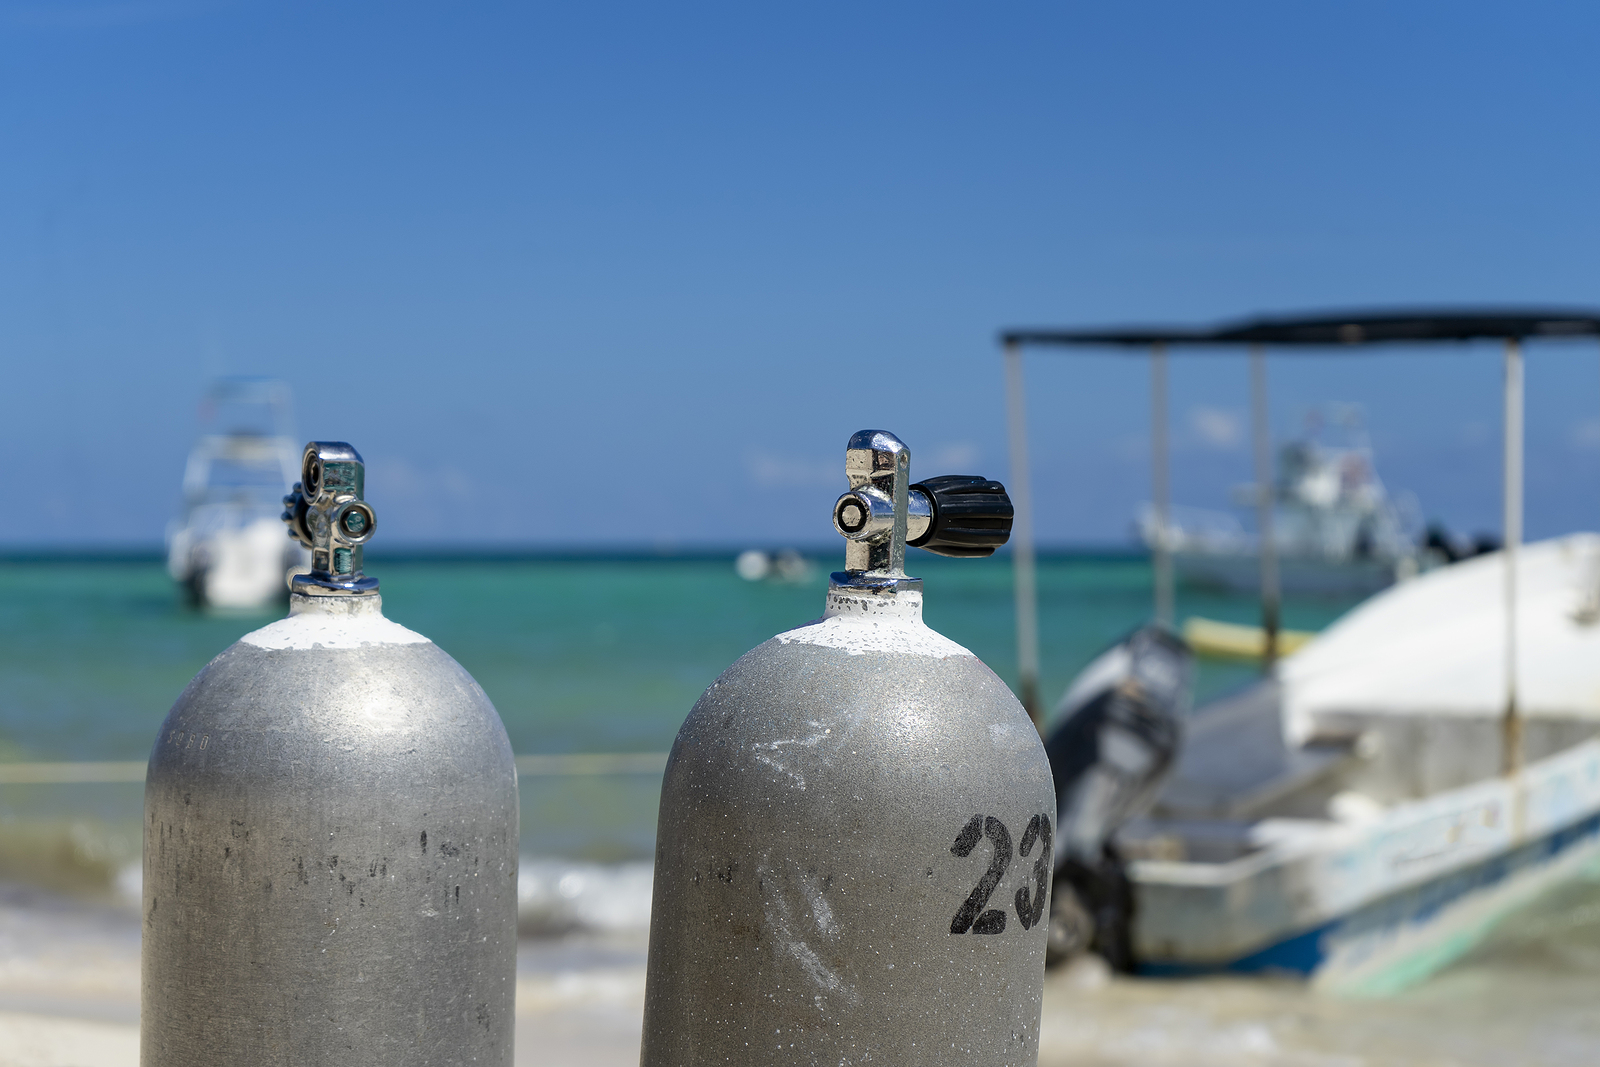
{"x": 785, "y": 472}
{"x": 427, "y": 500}
{"x": 1217, "y": 427}
{"x": 788, "y": 472}
{"x": 959, "y": 457}
{"x": 1585, "y": 434}
{"x": 403, "y": 479}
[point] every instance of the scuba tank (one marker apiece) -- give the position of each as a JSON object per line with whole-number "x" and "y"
{"x": 1113, "y": 743}
{"x": 855, "y": 840}
{"x": 330, "y": 833}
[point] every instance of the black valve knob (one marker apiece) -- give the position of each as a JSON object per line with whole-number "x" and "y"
{"x": 971, "y": 515}
{"x": 295, "y": 513}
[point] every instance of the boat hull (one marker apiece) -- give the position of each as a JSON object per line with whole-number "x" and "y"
{"x": 242, "y": 566}
{"x": 1373, "y": 909}
{"x": 1241, "y": 573}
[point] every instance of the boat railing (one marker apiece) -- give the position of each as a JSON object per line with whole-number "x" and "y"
{"x": 1317, "y": 332}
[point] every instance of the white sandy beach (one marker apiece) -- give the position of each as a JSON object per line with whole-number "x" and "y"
{"x": 69, "y": 998}
{"x": 592, "y": 1019}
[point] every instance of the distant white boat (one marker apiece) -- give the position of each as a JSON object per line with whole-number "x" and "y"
{"x": 1336, "y": 529}
{"x": 1350, "y": 820}
{"x": 230, "y": 548}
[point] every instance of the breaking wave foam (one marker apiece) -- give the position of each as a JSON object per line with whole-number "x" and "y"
{"x": 554, "y": 896}
{"x": 561, "y": 896}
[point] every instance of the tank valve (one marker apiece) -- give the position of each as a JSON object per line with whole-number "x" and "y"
{"x": 325, "y": 513}
{"x": 952, "y": 515}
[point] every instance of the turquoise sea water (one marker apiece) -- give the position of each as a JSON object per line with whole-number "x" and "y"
{"x": 579, "y": 655}
{"x": 607, "y": 655}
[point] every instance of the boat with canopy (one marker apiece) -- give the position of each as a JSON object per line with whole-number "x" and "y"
{"x": 1379, "y": 798}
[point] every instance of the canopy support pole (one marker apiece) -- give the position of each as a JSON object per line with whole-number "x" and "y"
{"x": 1268, "y": 549}
{"x": 1161, "y": 549}
{"x": 1511, "y": 724}
{"x": 1022, "y": 559}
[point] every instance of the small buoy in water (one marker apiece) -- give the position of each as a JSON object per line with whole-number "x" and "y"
{"x": 330, "y": 833}
{"x": 854, "y": 854}
{"x": 786, "y": 566}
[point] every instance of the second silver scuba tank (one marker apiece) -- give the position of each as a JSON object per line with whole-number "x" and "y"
{"x": 855, "y": 845}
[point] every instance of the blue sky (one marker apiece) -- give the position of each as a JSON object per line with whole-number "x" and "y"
{"x": 615, "y": 274}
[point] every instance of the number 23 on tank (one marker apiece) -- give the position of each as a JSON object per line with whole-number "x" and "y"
{"x": 1030, "y": 898}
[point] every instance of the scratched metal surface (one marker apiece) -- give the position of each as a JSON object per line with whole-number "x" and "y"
{"x": 330, "y": 869}
{"x": 806, "y": 883}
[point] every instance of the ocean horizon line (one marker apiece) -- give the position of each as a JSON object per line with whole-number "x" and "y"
{"x": 521, "y": 552}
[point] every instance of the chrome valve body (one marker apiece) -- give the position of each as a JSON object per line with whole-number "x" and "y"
{"x": 326, "y": 513}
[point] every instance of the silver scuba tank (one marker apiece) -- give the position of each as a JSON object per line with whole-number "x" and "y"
{"x": 854, "y": 852}
{"x": 330, "y": 838}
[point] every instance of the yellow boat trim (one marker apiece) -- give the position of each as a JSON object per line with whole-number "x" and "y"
{"x": 1230, "y": 640}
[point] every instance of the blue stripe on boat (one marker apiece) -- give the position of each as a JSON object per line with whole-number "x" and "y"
{"x": 1304, "y": 952}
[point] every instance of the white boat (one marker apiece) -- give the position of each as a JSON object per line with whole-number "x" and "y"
{"x": 230, "y": 548}
{"x": 1382, "y": 796}
{"x": 1336, "y": 528}
{"x": 1350, "y": 820}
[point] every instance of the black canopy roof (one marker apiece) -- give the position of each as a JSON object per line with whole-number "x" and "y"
{"x": 1340, "y": 328}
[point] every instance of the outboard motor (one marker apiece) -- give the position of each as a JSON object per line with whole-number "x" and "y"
{"x": 1115, "y": 739}
{"x": 855, "y": 841}
{"x": 330, "y": 837}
